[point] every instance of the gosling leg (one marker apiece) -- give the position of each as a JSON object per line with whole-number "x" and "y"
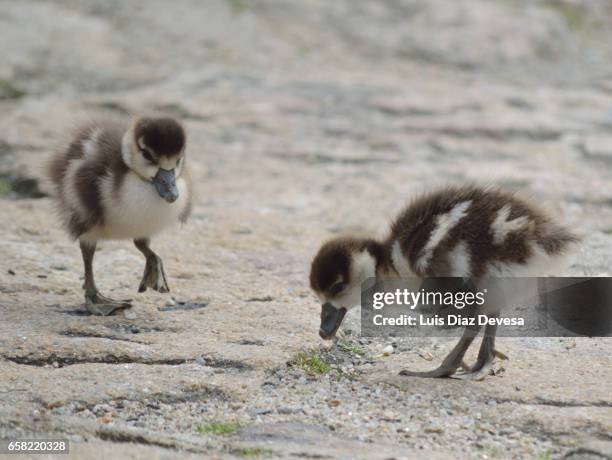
{"x": 486, "y": 357}
{"x": 453, "y": 360}
{"x": 154, "y": 276}
{"x": 96, "y": 303}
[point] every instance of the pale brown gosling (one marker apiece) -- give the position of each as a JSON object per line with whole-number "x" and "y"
{"x": 469, "y": 232}
{"x": 119, "y": 180}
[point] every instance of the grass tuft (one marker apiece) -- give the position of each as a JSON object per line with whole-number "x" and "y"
{"x": 574, "y": 15}
{"x": 19, "y": 187}
{"x": 5, "y": 187}
{"x": 238, "y": 6}
{"x": 544, "y": 455}
{"x": 351, "y": 348}
{"x": 310, "y": 362}
{"x": 251, "y": 452}
{"x": 219, "y": 428}
{"x": 8, "y": 90}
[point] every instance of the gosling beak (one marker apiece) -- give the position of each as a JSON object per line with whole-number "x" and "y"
{"x": 331, "y": 318}
{"x": 165, "y": 184}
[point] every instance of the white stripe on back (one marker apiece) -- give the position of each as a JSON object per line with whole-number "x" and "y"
{"x": 501, "y": 226}
{"x": 444, "y": 224}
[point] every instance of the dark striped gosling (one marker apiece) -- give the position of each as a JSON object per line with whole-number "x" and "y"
{"x": 467, "y": 232}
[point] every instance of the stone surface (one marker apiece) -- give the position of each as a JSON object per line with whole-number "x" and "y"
{"x": 305, "y": 120}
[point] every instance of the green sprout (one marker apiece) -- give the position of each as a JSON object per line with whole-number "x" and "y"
{"x": 351, "y": 348}
{"x": 219, "y": 428}
{"x": 310, "y": 362}
{"x": 251, "y": 452}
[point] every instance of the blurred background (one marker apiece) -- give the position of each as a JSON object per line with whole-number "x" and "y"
{"x": 305, "y": 119}
{"x": 76, "y": 47}
{"x": 372, "y": 98}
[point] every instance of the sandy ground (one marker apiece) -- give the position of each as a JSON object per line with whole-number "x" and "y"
{"x": 305, "y": 120}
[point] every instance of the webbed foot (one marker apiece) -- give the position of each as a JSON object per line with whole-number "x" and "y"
{"x": 475, "y": 375}
{"x": 100, "y": 305}
{"x": 452, "y": 361}
{"x": 483, "y": 365}
{"x": 154, "y": 276}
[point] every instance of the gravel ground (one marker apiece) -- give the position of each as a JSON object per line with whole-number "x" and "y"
{"x": 305, "y": 120}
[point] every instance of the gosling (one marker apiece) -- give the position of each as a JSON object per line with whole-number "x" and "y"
{"x": 120, "y": 180}
{"x": 470, "y": 232}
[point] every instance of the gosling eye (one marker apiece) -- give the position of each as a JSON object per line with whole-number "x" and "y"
{"x": 337, "y": 288}
{"x": 147, "y": 156}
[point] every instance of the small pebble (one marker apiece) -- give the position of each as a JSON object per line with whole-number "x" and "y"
{"x": 433, "y": 429}
{"x": 288, "y": 410}
{"x": 128, "y": 313}
{"x": 262, "y": 411}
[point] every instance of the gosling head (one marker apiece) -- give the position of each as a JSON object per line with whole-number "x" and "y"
{"x": 336, "y": 275}
{"x": 154, "y": 148}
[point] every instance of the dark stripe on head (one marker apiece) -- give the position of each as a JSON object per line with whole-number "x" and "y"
{"x": 335, "y": 257}
{"x": 164, "y": 136}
